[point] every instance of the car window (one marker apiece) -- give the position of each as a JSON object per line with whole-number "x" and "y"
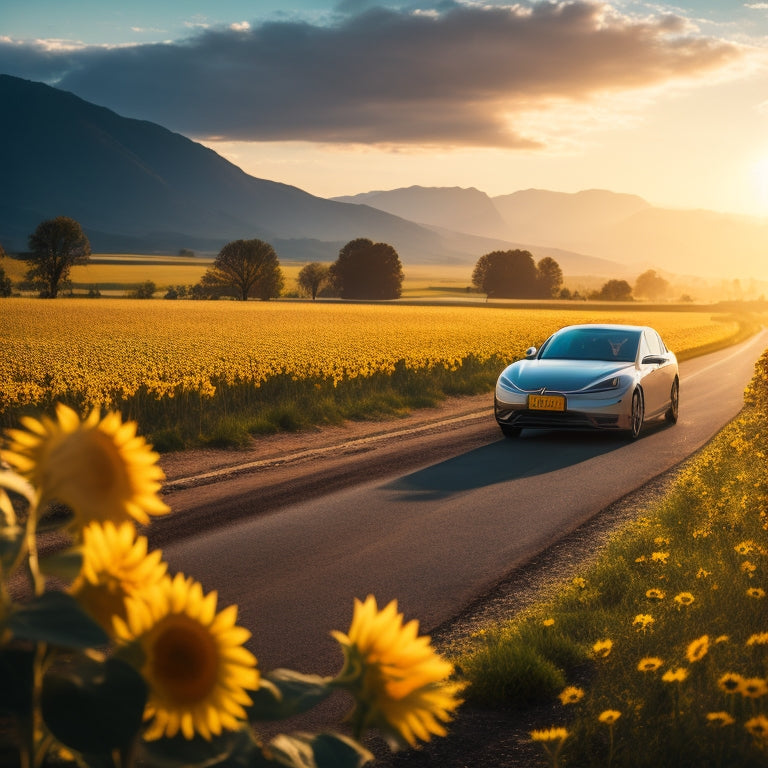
{"x": 654, "y": 343}
{"x": 592, "y": 344}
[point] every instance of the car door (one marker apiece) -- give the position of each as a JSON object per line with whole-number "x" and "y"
{"x": 658, "y": 373}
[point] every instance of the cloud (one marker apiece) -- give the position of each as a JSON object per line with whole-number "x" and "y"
{"x": 462, "y": 76}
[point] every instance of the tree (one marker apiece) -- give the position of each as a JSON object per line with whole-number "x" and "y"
{"x": 614, "y": 290}
{"x": 6, "y": 286}
{"x": 244, "y": 269}
{"x": 312, "y": 276}
{"x": 145, "y": 290}
{"x": 506, "y": 275}
{"x": 55, "y": 247}
{"x": 367, "y": 270}
{"x": 550, "y": 277}
{"x": 651, "y": 285}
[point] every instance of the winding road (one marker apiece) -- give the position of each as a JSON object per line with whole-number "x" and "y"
{"x": 433, "y": 519}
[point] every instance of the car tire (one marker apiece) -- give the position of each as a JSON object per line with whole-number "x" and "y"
{"x": 674, "y": 403}
{"x": 637, "y": 415}
{"x": 510, "y": 432}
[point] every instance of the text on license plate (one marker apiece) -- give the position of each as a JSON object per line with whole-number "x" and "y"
{"x": 546, "y": 402}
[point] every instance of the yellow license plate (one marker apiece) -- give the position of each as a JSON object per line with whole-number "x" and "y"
{"x": 546, "y": 402}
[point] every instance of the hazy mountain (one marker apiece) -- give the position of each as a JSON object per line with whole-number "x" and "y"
{"x": 612, "y": 228}
{"x": 135, "y": 185}
{"x": 453, "y": 208}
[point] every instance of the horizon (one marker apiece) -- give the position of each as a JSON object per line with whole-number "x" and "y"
{"x": 353, "y": 97}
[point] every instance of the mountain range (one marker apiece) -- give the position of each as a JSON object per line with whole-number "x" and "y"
{"x": 135, "y": 186}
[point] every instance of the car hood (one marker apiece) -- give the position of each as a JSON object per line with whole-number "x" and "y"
{"x": 562, "y": 375}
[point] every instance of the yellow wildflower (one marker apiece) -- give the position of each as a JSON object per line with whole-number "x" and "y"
{"x": 579, "y": 582}
{"x": 698, "y": 649}
{"x": 753, "y": 687}
{"x": 756, "y": 592}
{"x": 749, "y": 568}
{"x": 649, "y": 664}
{"x": 643, "y": 620}
{"x": 571, "y": 695}
{"x": 720, "y": 719}
{"x": 194, "y": 662}
{"x": 730, "y": 682}
{"x": 659, "y": 557}
{"x": 99, "y": 468}
{"x": 548, "y": 622}
{"x": 550, "y": 734}
{"x": 655, "y": 594}
{"x": 602, "y": 648}
{"x": 684, "y": 598}
{"x": 609, "y": 717}
{"x": 761, "y": 638}
{"x": 399, "y": 682}
{"x": 745, "y": 547}
{"x": 675, "y": 675}
{"x": 758, "y": 727}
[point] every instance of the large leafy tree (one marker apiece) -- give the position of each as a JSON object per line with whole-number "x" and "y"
{"x": 506, "y": 275}
{"x": 550, "y": 277}
{"x": 614, "y": 290}
{"x": 367, "y": 270}
{"x": 651, "y": 285}
{"x": 54, "y": 248}
{"x": 244, "y": 269}
{"x": 312, "y": 276}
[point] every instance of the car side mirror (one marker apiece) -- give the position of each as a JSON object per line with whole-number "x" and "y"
{"x": 654, "y": 360}
{"x": 530, "y": 353}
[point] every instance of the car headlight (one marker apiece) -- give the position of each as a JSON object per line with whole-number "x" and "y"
{"x": 505, "y": 382}
{"x": 609, "y": 384}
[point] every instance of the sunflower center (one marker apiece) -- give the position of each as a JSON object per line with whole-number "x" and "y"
{"x": 185, "y": 661}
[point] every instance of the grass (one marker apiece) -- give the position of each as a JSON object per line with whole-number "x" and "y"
{"x": 661, "y": 644}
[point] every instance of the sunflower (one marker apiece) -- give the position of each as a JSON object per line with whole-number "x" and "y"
{"x": 698, "y": 649}
{"x": 602, "y": 648}
{"x": 753, "y": 687}
{"x": 675, "y": 675}
{"x": 399, "y": 682}
{"x": 98, "y": 467}
{"x": 609, "y": 716}
{"x": 195, "y": 665}
{"x": 571, "y": 695}
{"x": 719, "y": 719}
{"x": 730, "y": 682}
{"x": 649, "y": 664}
{"x": 550, "y": 734}
{"x": 115, "y": 566}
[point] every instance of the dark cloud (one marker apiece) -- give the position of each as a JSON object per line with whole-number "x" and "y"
{"x": 454, "y": 77}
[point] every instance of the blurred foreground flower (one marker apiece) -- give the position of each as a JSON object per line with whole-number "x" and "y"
{"x": 400, "y": 684}
{"x": 99, "y": 468}
{"x": 120, "y": 662}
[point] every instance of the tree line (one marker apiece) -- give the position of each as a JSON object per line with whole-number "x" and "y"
{"x": 365, "y": 270}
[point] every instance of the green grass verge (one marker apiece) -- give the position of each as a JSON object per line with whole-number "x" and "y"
{"x": 668, "y": 627}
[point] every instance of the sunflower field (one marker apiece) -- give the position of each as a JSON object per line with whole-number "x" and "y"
{"x": 186, "y": 370}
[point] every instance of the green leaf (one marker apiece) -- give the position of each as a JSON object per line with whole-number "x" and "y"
{"x": 284, "y": 693}
{"x": 16, "y": 673}
{"x": 94, "y": 707}
{"x": 64, "y": 564}
{"x": 232, "y": 748}
{"x": 56, "y": 618}
{"x": 322, "y": 750}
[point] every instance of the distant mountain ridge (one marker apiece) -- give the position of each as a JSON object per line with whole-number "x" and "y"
{"x": 620, "y": 228}
{"x": 136, "y": 187}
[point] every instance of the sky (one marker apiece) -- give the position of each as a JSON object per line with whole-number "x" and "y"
{"x": 666, "y": 101}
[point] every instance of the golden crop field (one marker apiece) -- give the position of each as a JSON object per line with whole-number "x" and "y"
{"x": 104, "y": 353}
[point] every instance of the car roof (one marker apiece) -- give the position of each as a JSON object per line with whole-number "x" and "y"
{"x": 606, "y": 327}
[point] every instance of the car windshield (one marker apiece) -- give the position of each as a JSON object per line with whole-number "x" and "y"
{"x": 592, "y": 344}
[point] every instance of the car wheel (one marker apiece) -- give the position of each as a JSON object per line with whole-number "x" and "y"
{"x": 638, "y": 414}
{"x": 674, "y": 403}
{"x": 510, "y": 432}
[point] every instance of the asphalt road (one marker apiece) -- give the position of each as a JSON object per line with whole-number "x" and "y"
{"x": 433, "y": 523}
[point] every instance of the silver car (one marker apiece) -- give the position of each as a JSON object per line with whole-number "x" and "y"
{"x": 612, "y": 377}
